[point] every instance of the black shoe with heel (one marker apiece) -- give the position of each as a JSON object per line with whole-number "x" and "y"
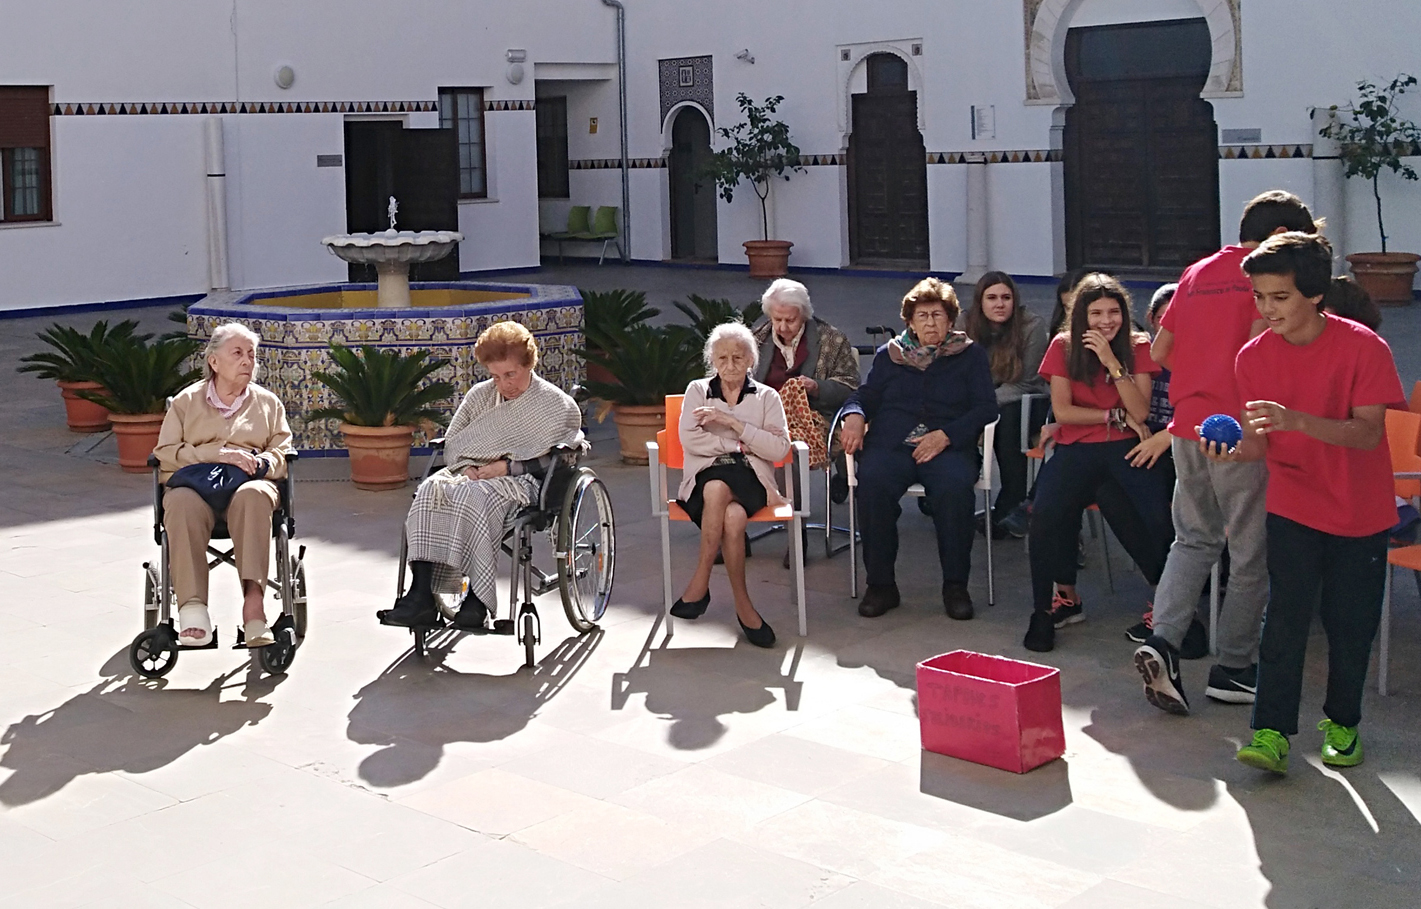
{"x": 472, "y": 614}
{"x": 411, "y": 611}
{"x": 764, "y": 636}
{"x": 692, "y": 610}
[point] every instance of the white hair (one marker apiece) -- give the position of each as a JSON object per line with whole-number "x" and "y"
{"x": 731, "y": 331}
{"x": 785, "y": 292}
{"x": 221, "y": 336}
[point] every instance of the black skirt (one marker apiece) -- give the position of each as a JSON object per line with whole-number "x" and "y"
{"x": 734, "y": 471}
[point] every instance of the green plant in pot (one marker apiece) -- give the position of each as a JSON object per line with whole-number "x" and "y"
{"x": 138, "y": 378}
{"x": 1373, "y": 138}
{"x": 384, "y": 395}
{"x": 757, "y": 150}
{"x": 71, "y": 363}
{"x": 649, "y": 363}
{"x": 706, "y": 313}
{"x": 606, "y": 315}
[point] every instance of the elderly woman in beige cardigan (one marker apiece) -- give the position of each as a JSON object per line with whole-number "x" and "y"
{"x": 225, "y": 418}
{"x": 732, "y": 432}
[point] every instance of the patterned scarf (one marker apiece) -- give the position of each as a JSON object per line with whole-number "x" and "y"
{"x": 906, "y": 350}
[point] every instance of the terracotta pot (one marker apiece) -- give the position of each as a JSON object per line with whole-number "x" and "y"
{"x": 81, "y": 415}
{"x": 136, "y": 434}
{"x": 379, "y": 455}
{"x": 768, "y": 258}
{"x": 1386, "y": 277}
{"x": 638, "y": 424}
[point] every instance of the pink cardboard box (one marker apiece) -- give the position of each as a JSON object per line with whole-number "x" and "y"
{"x": 991, "y": 710}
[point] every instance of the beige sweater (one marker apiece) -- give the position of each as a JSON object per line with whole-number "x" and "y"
{"x": 194, "y": 431}
{"x": 765, "y": 439}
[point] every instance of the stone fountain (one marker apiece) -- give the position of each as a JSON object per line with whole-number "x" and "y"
{"x": 392, "y": 252}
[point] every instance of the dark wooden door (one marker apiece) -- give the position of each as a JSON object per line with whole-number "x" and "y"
{"x": 888, "y": 181}
{"x": 1141, "y": 155}
{"x": 693, "y": 215}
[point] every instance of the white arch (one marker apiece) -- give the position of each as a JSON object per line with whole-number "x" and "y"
{"x": 669, "y": 123}
{"x": 1046, "y": 47}
{"x": 858, "y": 53}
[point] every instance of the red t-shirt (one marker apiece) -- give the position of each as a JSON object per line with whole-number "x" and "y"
{"x": 1210, "y": 317}
{"x": 1102, "y": 394}
{"x": 1347, "y": 492}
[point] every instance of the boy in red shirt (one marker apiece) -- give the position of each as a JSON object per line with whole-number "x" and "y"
{"x": 1316, "y": 388}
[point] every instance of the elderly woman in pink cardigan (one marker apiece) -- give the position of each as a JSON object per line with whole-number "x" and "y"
{"x": 732, "y": 432}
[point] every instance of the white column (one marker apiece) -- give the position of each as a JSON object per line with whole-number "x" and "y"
{"x": 977, "y": 247}
{"x": 216, "y": 205}
{"x": 1329, "y": 185}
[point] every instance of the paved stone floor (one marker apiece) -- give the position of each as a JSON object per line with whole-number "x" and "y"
{"x": 626, "y": 769}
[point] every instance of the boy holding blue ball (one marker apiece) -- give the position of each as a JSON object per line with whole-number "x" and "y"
{"x": 1315, "y": 388}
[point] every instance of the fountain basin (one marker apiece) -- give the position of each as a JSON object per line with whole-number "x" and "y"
{"x": 297, "y": 324}
{"x": 392, "y": 252}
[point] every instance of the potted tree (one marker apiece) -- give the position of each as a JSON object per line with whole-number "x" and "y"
{"x": 606, "y": 314}
{"x": 71, "y": 365}
{"x": 383, "y": 396}
{"x": 1375, "y": 138}
{"x": 648, "y": 364}
{"x": 138, "y": 378}
{"x": 758, "y": 150}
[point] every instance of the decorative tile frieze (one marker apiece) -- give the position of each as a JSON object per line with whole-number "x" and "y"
{"x": 155, "y": 108}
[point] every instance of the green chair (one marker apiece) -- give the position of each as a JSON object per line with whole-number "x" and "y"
{"x": 578, "y": 222}
{"x": 604, "y": 228}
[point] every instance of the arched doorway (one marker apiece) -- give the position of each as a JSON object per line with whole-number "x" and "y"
{"x": 1141, "y": 146}
{"x": 888, "y": 170}
{"x": 693, "y": 227}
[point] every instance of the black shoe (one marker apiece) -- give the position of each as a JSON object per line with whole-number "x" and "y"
{"x": 692, "y": 610}
{"x": 1041, "y": 633}
{"x": 472, "y": 614}
{"x": 1195, "y": 645}
{"x": 878, "y": 599}
{"x": 764, "y": 636}
{"x": 1232, "y": 686}
{"x": 1158, "y": 664}
{"x": 957, "y": 601}
{"x": 998, "y": 532}
{"x": 838, "y": 488}
{"x": 1017, "y": 521}
{"x": 1140, "y": 631}
{"x": 410, "y": 611}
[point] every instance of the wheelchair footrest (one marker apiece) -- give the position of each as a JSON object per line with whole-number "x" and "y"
{"x": 210, "y": 645}
{"x": 503, "y": 626}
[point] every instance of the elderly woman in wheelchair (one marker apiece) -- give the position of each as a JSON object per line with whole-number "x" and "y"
{"x": 224, "y": 419}
{"x": 497, "y": 453}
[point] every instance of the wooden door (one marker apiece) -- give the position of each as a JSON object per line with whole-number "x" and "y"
{"x": 888, "y": 181}
{"x": 693, "y": 214}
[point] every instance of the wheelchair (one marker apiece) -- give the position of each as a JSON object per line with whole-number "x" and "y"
{"x": 154, "y": 652}
{"x": 574, "y": 509}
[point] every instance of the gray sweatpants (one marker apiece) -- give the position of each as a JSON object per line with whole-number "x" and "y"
{"x": 1213, "y": 503}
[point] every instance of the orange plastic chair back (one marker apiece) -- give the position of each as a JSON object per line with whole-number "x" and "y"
{"x": 1416, "y": 398}
{"x": 1403, "y": 434}
{"x": 670, "y": 438}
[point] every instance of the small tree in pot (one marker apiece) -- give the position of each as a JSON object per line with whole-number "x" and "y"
{"x": 383, "y": 396}
{"x": 648, "y": 364}
{"x": 138, "y": 378}
{"x": 72, "y": 362}
{"x": 759, "y": 150}
{"x": 1374, "y": 138}
{"x": 607, "y": 314}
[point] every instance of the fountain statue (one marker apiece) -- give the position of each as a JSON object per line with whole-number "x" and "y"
{"x": 391, "y": 252}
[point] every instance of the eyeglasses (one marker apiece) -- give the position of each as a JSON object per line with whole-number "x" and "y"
{"x": 929, "y": 315}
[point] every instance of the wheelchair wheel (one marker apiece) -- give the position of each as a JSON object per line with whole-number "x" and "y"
{"x": 298, "y": 597}
{"x": 154, "y": 653}
{"x": 587, "y": 551}
{"x": 530, "y": 638}
{"x": 151, "y": 601}
{"x": 276, "y": 658}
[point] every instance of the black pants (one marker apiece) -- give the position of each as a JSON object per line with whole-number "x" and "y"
{"x": 1011, "y": 460}
{"x": 884, "y": 474}
{"x": 1346, "y": 576}
{"x": 1135, "y": 501}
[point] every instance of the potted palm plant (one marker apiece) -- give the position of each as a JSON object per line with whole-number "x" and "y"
{"x": 1375, "y": 137}
{"x": 758, "y": 150}
{"x": 706, "y": 313}
{"x": 383, "y": 396}
{"x": 608, "y": 313}
{"x": 71, "y": 365}
{"x": 648, "y": 363}
{"x": 138, "y": 378}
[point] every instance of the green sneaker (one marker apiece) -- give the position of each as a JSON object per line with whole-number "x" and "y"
{"x": 1341, "y": 745}
{"x": 1267, "y": 751}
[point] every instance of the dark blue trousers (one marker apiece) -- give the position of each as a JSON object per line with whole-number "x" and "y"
{"x": 884, "y": 474}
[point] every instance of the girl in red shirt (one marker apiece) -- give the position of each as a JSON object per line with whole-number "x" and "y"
{"x": 1100, "y": 373}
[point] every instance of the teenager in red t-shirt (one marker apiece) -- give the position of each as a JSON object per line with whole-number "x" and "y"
{"x": 1100, "y": 374}
{"x": 1316, "y": 388}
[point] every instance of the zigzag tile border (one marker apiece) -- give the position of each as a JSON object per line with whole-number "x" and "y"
{"x": 510, "y": 105}
{"x": 1263, "y": 152}
{"x": 616, "y": 163}
{"x": 152, "y": 108}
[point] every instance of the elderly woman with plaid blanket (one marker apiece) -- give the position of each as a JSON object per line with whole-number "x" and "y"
{"x": 497, "y": 448}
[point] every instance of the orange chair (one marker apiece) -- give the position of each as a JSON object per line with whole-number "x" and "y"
{"x": 1416, "y": 398}
{"x": 665, "y": 454}
{"x": 1403, "y": 433}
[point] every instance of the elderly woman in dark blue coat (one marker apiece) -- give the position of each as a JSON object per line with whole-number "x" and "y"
{"x": 928, "y": 396}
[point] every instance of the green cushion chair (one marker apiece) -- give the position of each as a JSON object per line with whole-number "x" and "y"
{"x": 604, "y": 228}
{"x": 578, "y": 222}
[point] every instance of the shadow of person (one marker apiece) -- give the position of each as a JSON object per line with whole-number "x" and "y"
{"x": 693, "y": 687}
{"x": 1172, "y": 757}
{"x": 417, "y": 707}
{"x": 125, "y": 723}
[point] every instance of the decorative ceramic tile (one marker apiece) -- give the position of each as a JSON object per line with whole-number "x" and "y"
{"x": 151, "y": 108}
{"x": 687, "y": 79}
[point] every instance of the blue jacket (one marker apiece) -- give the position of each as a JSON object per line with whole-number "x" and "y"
{"x": 954, "y": 394}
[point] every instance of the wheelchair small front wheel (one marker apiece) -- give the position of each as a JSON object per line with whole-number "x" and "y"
{"x": 154, "y": 653}
{"x": 586, "y": 551}
{"x": 277, "y": 656}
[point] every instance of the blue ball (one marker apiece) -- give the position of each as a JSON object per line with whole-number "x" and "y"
{"x": 1223, "y": 429}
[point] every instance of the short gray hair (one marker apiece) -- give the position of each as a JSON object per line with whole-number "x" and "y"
{"x": 731, "y": 331}
{"x": 788, "y": 293}
{"x": 221, "y": 335}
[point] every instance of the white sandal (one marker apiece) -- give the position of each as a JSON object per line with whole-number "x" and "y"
{"x": 257, "y": 634}
{"x": 193, "y": 614}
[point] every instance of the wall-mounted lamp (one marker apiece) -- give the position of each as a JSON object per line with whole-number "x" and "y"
{"x": 284, "y": 76}
{"x": 515, "y": 57}
{"x": 745, "y": 55}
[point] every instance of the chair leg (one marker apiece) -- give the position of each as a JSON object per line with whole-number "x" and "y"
{"x": 1214, "y": 609}
{"x": 666, "y": 571}
{"x": 1385, "y": 633}
{"x": 991, "y": 574}
{"x": 796, "y": 544}
{"x": 602, "y": 257}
